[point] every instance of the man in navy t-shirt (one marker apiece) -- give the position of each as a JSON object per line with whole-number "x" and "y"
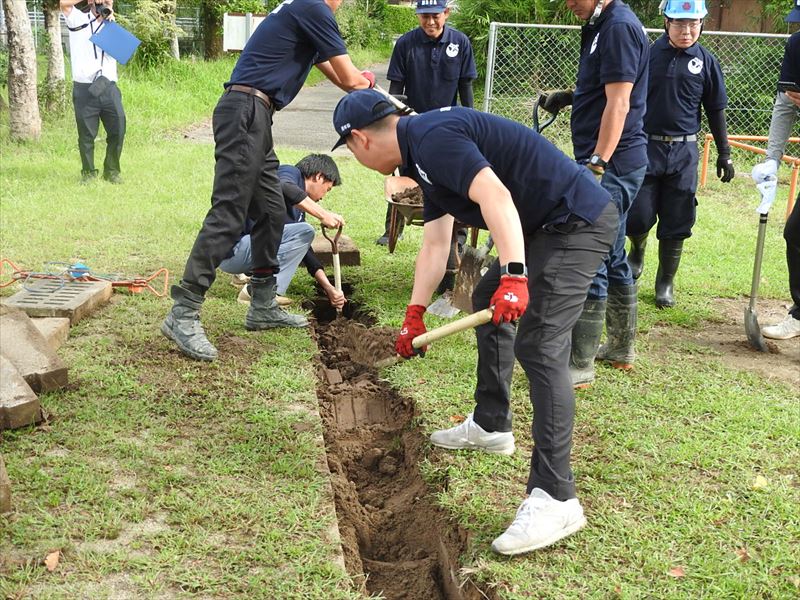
{"x": 296, "y": 35}
{"x": 432, "y": 66}
{"x": 683, "y": 77}
{"x": 608, "y": 107}
{"x": 551, "y": 234}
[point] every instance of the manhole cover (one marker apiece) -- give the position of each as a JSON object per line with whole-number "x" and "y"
{"x": 53, "y": 298}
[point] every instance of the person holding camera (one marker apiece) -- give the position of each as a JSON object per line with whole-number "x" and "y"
{"x": 95, "y": 95}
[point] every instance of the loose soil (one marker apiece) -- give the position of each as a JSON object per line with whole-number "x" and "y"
{"x": 396, "y": 541}
{"x": 727, "y": 338}
{"x": 410, "y": 196}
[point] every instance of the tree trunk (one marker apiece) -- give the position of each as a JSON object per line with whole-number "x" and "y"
{"x": 171, "y": 8}
{"x": 211, "y": 23}
{"x": 24, "y": 121}
{"x": 55, "y": 51}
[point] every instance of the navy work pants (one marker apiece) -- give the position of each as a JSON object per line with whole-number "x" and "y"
{"x": 562, "y": 259}
{"x": 246, "y": 185}
{"x": 791, "y": 233}
{"x": 89, "y": 112}
{"x": 668, "y": 192}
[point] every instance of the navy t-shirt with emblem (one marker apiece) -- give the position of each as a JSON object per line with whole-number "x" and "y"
{"x": 613, "y": 50}
{"x": 681, "y": 80}
{"x": 278, "y": 56}
{"x": 790, "y": 67}
{"x": 430, "y": 68}
{"x": 444, "y": 150}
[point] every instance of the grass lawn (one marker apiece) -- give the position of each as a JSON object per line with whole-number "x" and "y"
{"x": 160, "y": 477}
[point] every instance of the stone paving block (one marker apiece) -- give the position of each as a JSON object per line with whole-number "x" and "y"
{"x": 5, "y": 488}
{"x": 52, "y": 298}
{"x": 349, "y": 256}
{"x": 54, "y": 329}
{"x": 333, "y": 376}
{"x": 345, "y": 417}
{"x": 23, "y": 345}
{"x": 19, "y": 405}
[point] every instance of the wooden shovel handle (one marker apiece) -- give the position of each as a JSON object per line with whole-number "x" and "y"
{"x": 479, "y": 318}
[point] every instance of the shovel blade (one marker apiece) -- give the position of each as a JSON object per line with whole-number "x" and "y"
{"x": 470, "y": 271}
{"x": 443, "y": 306}
{"x": 753, "y": 330}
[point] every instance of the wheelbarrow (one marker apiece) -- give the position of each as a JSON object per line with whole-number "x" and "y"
{"x": 411, "y": 214}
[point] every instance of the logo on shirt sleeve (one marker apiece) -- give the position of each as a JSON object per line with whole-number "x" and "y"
{"x": 423, "y": 174}
{"x": 594, "y": 44}
{"x": 452, "y": 50}
{"x": 695, "y": 66}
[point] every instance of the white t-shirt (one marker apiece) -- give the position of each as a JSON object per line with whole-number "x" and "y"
{"x": 87, "y": 60}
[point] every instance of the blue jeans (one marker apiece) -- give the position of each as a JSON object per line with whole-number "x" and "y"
{"x": 295, "y": 242}
{"x": 615, "y": 270}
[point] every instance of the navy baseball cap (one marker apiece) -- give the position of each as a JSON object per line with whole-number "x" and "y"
{"x": 431, "y": 7}
{"x": 358, "y": 109}
{"x": 794, "y": 16}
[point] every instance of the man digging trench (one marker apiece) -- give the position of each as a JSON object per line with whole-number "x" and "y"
{"x": 496, "y": 174}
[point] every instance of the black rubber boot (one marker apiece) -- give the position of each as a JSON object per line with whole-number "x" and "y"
{"x": 669, "y": 257}
{"x": 264, "y": 312}
{"x": 620, "y": 327}
{"x": 636, "y": 254}
{"x": 447, "y": 283}
{"x": 183, "y": 327}
{"x": 585, "y": 340}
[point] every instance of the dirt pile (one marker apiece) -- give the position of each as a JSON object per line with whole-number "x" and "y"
{"x": 410, "y": 196}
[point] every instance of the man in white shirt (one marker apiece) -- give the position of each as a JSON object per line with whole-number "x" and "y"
{"x": 95, "y": 94}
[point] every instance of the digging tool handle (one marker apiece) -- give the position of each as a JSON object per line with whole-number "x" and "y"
{"x": 762, "y": 230}
{"x": 403, "y": 108}
{"x": 337, "y": 267}
{"x": 479, "y": 318}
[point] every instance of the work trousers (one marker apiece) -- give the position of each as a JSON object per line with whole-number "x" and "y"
{"x": 791, "y": 233}
{"x": 614, "y": 270}
{"x": 245, "y": 184}
{"x": 668, "y": 192}
{"x": 89, "y": 112}
{"x": 295, "y": 242}
{"x": 562, "y": 259}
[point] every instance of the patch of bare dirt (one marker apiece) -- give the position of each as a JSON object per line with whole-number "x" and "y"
{"x": 727, "y": 338}
{"x": 200, "y": 133}
{"x": 410, "y": 196}
{"x": 395, "y": 539}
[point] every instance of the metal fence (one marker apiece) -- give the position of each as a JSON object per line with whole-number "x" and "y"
{"x": 526, "y": 59}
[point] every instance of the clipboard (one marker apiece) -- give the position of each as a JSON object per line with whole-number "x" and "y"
{"x": 116, "y": 41}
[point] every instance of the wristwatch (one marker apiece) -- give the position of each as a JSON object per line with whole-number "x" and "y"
{"x": 595, "y": 160}
{"x": 514, "y": 269}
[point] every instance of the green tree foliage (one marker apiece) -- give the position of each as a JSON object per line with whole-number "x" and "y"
{"x": 399, "y": 19}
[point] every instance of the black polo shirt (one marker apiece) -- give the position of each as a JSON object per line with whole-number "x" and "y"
{"x": 790, "y": 67}
{"x": 680, "y": 82}
{"x": 443, "y": 150}
{"x": 431, "y": 69}
{"x": 613, "y": 50}
{"x": 284, "y": 47}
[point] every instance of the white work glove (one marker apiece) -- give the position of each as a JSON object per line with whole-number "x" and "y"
{"x": 767, "y": 188}
{"x": 763, "y": 171}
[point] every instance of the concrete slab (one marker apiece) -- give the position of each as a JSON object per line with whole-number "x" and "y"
{"x": 54, "y": 329}
{"x": 19, "y": 405}
{"x": 52, "y": 298}
{"x": 349, "y": 256}
{"x": 28, "y": 351}
{"x": 332, "y": 376}
{"x": 5, "y": 488}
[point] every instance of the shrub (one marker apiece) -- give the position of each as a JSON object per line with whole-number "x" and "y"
{"x": 399, "y": 19}
{"x": 150, "y": 22}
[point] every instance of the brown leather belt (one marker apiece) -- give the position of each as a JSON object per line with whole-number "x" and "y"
{"x": 246, "y": 89}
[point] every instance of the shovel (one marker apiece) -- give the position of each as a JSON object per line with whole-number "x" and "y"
{"x": 471, "y": 269}
{"x": 337, "y": 268}
{"x": 751, "y": 327}
{"x": 474, "y": 320}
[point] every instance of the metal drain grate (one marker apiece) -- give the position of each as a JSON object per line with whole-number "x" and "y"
{"x": 51, "y": 298}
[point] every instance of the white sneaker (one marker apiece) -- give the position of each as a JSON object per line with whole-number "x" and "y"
{"x": 470, "y": 435}
{"x": 541, "y": 520}
{"x": 785, "y": 330}
{"x": 244, "y": 297}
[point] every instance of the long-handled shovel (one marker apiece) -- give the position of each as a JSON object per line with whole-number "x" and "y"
{"x": 337, "y": 268}
{"x": 751, "y": 327}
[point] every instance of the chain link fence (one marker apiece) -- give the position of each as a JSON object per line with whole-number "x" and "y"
{"x": 526, "y": 59}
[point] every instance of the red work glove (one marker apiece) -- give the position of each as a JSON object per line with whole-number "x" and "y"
{"x": 412, "y": 327}
{"x": 510, "y": 299}
{"x": 369, "y": 76}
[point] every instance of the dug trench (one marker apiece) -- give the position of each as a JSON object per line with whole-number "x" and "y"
{"x": 396, "y": 541}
